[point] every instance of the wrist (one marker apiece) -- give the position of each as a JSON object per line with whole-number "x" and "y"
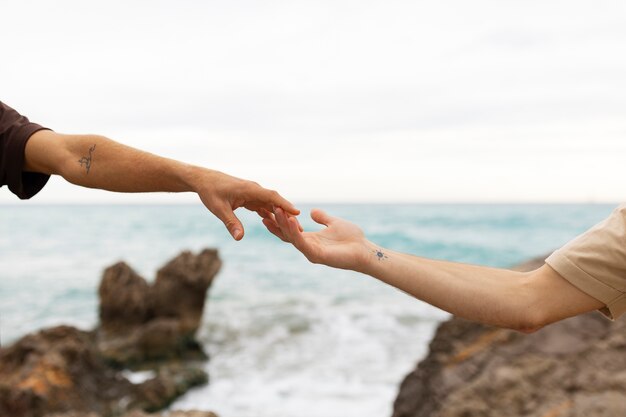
{"x": 367, "y": 256}
{"x": 195, "y": 178}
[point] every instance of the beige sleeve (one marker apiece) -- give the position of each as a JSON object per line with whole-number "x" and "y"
{"x": 595, "y": 262}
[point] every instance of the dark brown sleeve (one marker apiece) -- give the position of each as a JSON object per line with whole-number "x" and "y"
{"x": 15, "y": 130}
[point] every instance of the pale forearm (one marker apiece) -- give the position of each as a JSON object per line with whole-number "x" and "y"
{"x": 489, "y": 295}
{"x": 500, "y": 297}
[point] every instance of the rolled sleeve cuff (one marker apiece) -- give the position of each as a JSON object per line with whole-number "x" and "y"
{"x": 21, "y": 183}
{"x": 614, "y": 300}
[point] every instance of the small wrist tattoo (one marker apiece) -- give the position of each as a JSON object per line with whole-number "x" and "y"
{"x": 380, "y": 255}
{"x": 86, "y": 161}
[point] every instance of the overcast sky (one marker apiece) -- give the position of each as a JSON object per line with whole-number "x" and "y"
{"x": 385, "y": 101}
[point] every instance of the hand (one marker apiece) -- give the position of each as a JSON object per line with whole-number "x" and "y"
{"x": 222, "y": 194}
{"x": 341, "y": 244}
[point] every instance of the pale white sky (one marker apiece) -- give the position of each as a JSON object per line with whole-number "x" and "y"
{"x": 331, "y": 100}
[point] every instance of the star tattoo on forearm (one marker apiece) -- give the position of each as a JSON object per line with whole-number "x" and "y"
{"x": 380, "y": 255}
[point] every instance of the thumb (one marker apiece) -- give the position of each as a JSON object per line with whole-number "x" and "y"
{"x": 321, "y": 217}
{"x": 232, "y": 223}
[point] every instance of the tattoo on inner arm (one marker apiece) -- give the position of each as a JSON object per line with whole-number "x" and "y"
{"x": 86, "y": 161}
{"x": 380, "y": 255}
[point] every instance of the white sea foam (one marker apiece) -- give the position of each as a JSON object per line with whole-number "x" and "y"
{"x": 314, "y": 357}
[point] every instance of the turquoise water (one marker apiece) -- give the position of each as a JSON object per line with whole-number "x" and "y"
{"x": 286, "y": 337}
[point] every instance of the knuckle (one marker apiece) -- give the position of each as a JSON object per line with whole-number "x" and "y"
{"x": 313, "y": 259}
{"x": 250, "y": 187}
{"x": 274, "y": 194}
{"x": 230, "y": 222}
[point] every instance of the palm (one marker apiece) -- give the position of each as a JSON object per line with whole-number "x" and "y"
{"x": 341, "y": 244}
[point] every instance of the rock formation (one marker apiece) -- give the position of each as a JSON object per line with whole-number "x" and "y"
{"x": 573, "y": 368}
{"x": 141, "y": 322}
{"x": 67, "y": 371}
{"x": 135, "y": 413}
{"x": 59, "y": 369}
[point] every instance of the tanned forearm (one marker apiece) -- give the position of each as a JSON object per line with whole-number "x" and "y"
{"x": 97, "y": 162}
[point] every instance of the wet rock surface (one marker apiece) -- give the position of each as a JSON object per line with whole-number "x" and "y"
{"x": 573, "y": 368}
{"x": 67, "y": 372}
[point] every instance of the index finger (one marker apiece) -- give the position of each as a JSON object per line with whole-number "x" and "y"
{"x": 277, "y": 200}
{"x": 282, "y": 220}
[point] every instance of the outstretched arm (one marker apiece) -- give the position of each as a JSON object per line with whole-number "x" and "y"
{"x": 500, "y": 297}
{"x": 97, "y": 162}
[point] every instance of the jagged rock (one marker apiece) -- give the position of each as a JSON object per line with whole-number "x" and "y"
{"x": 78, "y": 414}
{"x": 192, "y": 413}
{"x": 59, "y": 370}
{"x": 56, "y": 370}
{"x": 66, "y": 370}
{"x": 141, "y": 322}
{"x": 171, "y": 382}
{"x": 573, "y": 368}
{"x": 124, "y": 298}
{"x": 187, "y": 277}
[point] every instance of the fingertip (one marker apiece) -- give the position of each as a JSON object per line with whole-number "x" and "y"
{"x": 264, "y": 213}
{"x": 270, "y": 222}
{"x": 281, "y": 218}
{"x": 237, "y": 234}
{"x": 294, "y": 225}
{"x": 297, "y": 223}
{"x": 274, "y": 229}
{"x": 320, "y": 216}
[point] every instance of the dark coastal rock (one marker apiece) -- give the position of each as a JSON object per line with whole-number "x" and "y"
{"x": 192, "y": 413}
{"x": 141, "y": 322}
{"x": 124, "y": 298}
{"x": 180, "y": 288}
{"x": 56, "y": 370}
{"x": 170, "y": 382}
{"x": 59, "y": 370}
{"x": 74, "y": 373}
{"x": 573, "y": 368}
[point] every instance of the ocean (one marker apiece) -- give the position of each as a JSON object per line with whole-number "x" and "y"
{"x": 286, "y": 338}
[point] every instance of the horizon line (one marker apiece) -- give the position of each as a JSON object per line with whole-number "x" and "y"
{"x": 310, "y": 203}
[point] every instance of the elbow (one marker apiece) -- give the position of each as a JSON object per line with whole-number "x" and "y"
{"x": 529, "y": 328}
{"x": 531, "y": 313}
{"x": 47, "y": 152}
{"x": 528, "y": 324}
